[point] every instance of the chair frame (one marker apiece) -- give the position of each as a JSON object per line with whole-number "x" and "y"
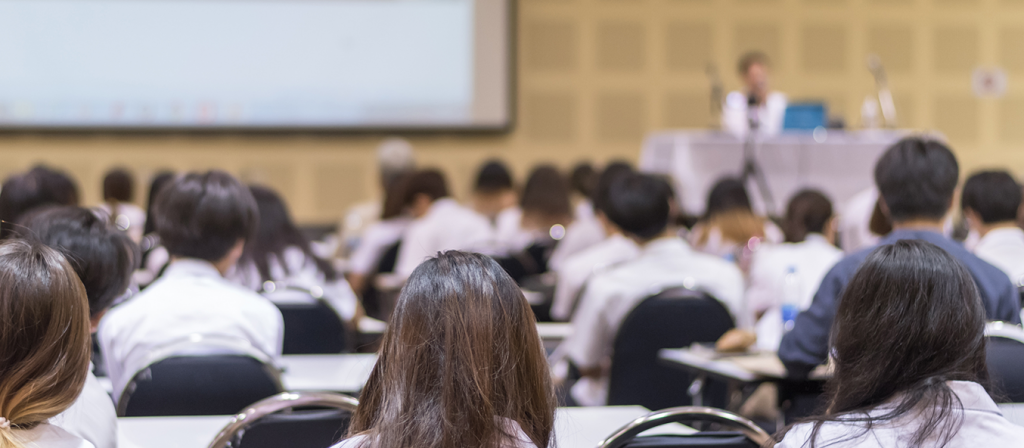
{"x": 681, "y": 414}
{"x": 997, "y": 329}
{"x": 277, "y": 403}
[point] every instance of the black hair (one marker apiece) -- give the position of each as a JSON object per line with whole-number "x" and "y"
{"x": 917, "y": 178}
{"x": 910, "y": 320}
{"x": 583, "y": 179}
{"x": 726, "y": 195}
{"x": 23, "y": 192}
{"x": 750, "y": 59}
{"x": 394, "y": 197}
{"x": 118, "y": 185}
{"x": 430, "y": 182}
{"x": 808, "y": 212}
{"x": 203, "y": 215}
{"x": 639, "y": 205}
{"x": 494, "y": 177}
{"x": 161, "y": 180}
{"x": 102, "y": 256}
{"x": 993, "y": 195}
{"x": 611, "y": 173}
{"x": 546, "y": 193}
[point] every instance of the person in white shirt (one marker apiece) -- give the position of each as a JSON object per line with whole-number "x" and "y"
{"x": 440, "y": 223}
{"x": 585, "y": 230}
{"x": 616, "y": 248}
{"x": 639, "y": 205}
{"x": 365, "y": 259}
{"x": 203, "y": 220}
{"x": 729, "y": 223}
{"x": 583, "y": 181}
{"x": 154, "y": 256}
{"x": 461, "y": 365}
{"x": 279, "y": 258}
{"x": 990, "y": 202}
{"x": 494, "y": 191}
{"x": 103, "y": 257}
{"x": 540, "y": 218}
{"x": 395, "y": 158}
{"x": 855, "y": 218}
{"x": 45, "y": 345}
{"x": 769, "y": 108}
{"x": 117, "y": 207}
{"x": 909, "y": 359}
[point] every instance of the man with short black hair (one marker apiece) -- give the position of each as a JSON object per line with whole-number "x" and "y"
{"x": 203, "y": 220}
{"x": 916, "y": 178}
{"x": 990, "y": 202}
{"x": 639, "y": 205}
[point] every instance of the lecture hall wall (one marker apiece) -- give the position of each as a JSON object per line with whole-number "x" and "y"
{"x": 595, "y": 75}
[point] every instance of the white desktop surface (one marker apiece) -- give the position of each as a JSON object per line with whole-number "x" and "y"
{"x": 332, "y": 373}
{"x": 574, "y": 428}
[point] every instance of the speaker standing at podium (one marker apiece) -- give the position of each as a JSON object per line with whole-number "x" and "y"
{"x": 757, "y": 103}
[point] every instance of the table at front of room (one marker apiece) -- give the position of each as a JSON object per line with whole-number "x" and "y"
{"x": 841, "y": 164}
{"x": 574, "y": 428}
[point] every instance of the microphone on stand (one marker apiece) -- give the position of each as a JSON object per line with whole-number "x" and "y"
{"x": 885, "y": 101}
{"x": 753, "y": 112}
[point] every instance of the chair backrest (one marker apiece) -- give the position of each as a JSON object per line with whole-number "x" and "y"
{"x": 311, "y": 326}
{"x": 674, "y": 318}
{"x": 746, "y": 434}
{"x": 1005, "y": 359}
{"x": 276, "y": 422}
{"x": 198, "y": 385}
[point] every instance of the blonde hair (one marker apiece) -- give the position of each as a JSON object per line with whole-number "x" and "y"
{"x": 44, "y": 336}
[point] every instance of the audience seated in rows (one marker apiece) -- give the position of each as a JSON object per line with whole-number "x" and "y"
{"x": 729, "y": 223}
{"x": 279, "y": 259}
{"x": 543, "y": 205}
{"x": 380, "y": 236}
{"x": 117, "y": 207}
{"x": 37, "y": 187}
{"x": 916, "y": 178}
{"x": 154, "y": 255}
{"x": 494, "y": 191}
{"x": 585, "y": 231}
{"x": 990, "y": 203}
{"x": 639, "y": 205}
{"x": 461, "y": 365}
{"x": 395, "y": 158}
{"x": 103, "y": 257}
{"x": 44, "y": 343}
{"x": 909, "y": 358}
{"x": 204, "y": 220}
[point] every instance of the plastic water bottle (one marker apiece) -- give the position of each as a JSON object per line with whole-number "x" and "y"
{"x": 790, "y": 299}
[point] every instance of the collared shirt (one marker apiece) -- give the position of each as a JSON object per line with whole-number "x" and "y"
{"x": 607, "y": 300}
{"x": 772, "y": 114}
{"x": 92, "y": 416}
{"x": 191, "y": 300}
{"x": 810, "y": 261}
{"x": 983, "y": 426}
{"x": 806, "y": 346}
{"x": 1004, "y": 249}
{"x": 583, "y": 265}
{"x": 45, "y": 435}
{"x": 376, "y": 240}
{"x": 447, "y": 225}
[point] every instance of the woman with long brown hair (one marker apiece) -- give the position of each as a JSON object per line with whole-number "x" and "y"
{"x": 44, "y": 345}
{"x": 909, "y": 351}
{"x": 461, "y": 365}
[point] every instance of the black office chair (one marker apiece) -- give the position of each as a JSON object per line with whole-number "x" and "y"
{"x": 311, "y": 326}
{"x": 743, "y": 434}
{"x": 674, "y": 318}
{"x": 287, "y": 420}
{"x": 1005, "y": 358}
{"x": 198, "y": 385}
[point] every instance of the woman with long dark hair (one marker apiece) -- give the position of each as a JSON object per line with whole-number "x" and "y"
{"x": 280, "y": 258}
{"x": 461, "y": 365}
{"x": 909, "y": 354}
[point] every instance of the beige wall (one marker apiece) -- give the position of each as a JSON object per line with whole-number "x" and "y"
{"x": 595, "y": 75}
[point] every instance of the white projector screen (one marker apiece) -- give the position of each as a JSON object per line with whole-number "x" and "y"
{"x": 255, "y": 64}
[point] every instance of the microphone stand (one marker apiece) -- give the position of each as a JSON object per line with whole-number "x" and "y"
{"x": 751, "y": 167}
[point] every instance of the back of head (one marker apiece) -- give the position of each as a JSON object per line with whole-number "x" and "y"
{"x": 639, "y": 205}
{"x": 583, "y": 179}
{"x": 102, "y": 256}
{"x": 460, "y": 356}
{"x": 749, "y": 59}
{"x": 994, "y": 195}
{"x": 38, "y": 187}
{"x": 727, "y": 195}
{"x": 916, "y": 178}
{"x": 161, "y": 180}
{"x": 203, "y": 215}
{"x": 276, "y": 233}
{"x": 611, "y": 173}
{"x": 909, "y": 320}
{"x": 808, "y": 212}
{"x": 546, "y": 196}
{"x": 118, "y": 185}
{"x": 44, "y": 335}
{"x": 429, "y": 182}
{"x": 395, "y": 158}
{"x": 494, "y": 177}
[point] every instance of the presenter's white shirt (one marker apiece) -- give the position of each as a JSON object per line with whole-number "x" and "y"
{"x": 46, "y": 435}
{"x": 811, "y": 260}
{"x": 1004, "y": 249}
{"x": 303, "y": 273}
{"x": 771, "y": 114}
{"x": 608, "y": 298}
{"x": 581, "y": 234}
{"x": 583, "y": 265}
{"x": 447, "y": 225}
{"x": 376, "y": 240}
{"x": 191, "y": 300}
{"x": 983, "y": 426}
{"x": 92, "y": 416}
